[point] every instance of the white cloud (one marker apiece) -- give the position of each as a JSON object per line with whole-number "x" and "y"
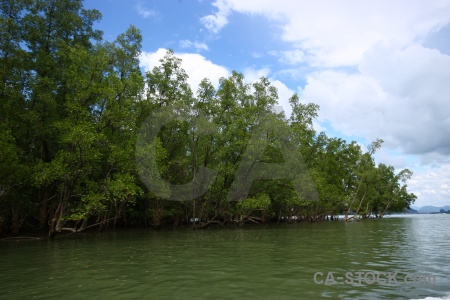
{"x": 291, "y": 57}
{"x": 399, "y": 95}
{"x": 417, "y": 79}
{"x": 218, "y": 20}
{"x": 318, "y": 127}
{"x": 197, "y": 45}
{"x": 253, "y": 75}
{"x": 337, "y": 33}
{"x": 257, "y": 55}
{"x": 196, "y": 66}
{"x": 145, "y": 12}
{"x": 284, "y": 93}
{"x": 431, "y": 186}
{"x": 395, "y": 158}
{"x": 349, "y": 102}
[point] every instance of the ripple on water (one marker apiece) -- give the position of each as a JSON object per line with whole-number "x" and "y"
{"x": 259, "y": 262}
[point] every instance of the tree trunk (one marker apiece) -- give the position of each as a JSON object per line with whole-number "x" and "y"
{"x": 16, "y": 220}
{"x": 56, "y": 224}
{"x": 157, "y": 213}
{"x": 43, "y": 200}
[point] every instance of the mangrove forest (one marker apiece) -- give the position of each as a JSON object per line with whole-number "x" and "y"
{"x": 89, "y": 140}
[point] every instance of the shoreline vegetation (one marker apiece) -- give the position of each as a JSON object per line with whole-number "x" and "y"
{"x": 72, "y": 106}
{"x": 93, "y": 229}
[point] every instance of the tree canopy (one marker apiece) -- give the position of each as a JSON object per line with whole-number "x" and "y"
{"x": 75, "y": 142}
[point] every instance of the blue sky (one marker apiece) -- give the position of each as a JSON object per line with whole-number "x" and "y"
{"x": 378, "y": 69}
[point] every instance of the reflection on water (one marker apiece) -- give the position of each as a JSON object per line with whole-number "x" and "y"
{"x": 263, "y": 262}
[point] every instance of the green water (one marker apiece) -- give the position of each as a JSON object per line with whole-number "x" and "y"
{"x": 264, "y": 262}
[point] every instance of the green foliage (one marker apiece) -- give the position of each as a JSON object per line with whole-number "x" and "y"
{"x": 260, "y": 202}
{"x": 72, "y": 106}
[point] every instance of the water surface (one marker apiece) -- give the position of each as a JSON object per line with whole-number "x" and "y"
{"x": 262, "y": 262}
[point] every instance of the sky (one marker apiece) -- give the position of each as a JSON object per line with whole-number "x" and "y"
{"x": 377, "y": 69}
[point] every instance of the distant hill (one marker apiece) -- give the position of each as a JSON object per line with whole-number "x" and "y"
{"x": 432, "y": 209}
{"x": 411, "y": 211}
